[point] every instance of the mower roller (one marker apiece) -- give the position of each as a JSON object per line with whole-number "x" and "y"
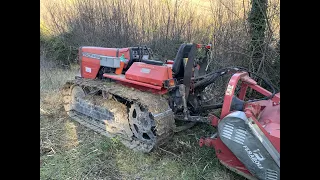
{"x": 124, "y": 93}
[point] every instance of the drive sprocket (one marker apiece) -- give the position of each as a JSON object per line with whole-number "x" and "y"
{"x": 116, "y": 110}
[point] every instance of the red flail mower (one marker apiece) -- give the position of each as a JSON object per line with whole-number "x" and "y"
{"x": 123, "y": 92}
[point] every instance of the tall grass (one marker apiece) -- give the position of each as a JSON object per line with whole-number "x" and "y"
{"x": 52, "y": 77}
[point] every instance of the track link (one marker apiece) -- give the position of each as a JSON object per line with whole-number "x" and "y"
{"x": 157, "y": 105}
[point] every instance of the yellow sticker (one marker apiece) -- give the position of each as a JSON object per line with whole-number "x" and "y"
{"x": 185, "y": 61}
{"x": 229, "y": 90}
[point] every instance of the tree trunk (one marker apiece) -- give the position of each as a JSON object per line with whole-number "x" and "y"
{"x": 257, "y": 22}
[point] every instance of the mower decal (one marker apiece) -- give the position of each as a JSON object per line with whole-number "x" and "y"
{"x": 229, "y": 90}
{"x": 234, "y": 134}
{"x": 88, "y": 69}
{"x": 255, "y": 156}
{"x": 145, "y": 70}
{"x": 258, "y": 155}
{"x": 227, "y": 131}
{"x": 90, "y": 55}
{"x": 240, "y": 136}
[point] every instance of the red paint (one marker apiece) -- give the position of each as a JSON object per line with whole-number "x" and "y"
{"x": 143, "y": 88}
{"x": 107, "y": 51}
{"x": 137, "y": 85}
{"x": 224, "y": 154}
{"x": 125, "y": 52}
{"x": 214, "y": 120}
{"x": 265, "y": 92}
{"x": 203, "y": 46}
{"x": 80, "y": 62}
{"x": 89, "y": 67}
{"x": 148, "y": 73}
{"x": 228, "y": 95}
{"x": 243, "y": 90}
{"x": 122, "y": 78}
{"x": 248, "y": 80}
{"x": 169, "y": 62}
{"x": 267, "y": 119}
{"x": 265, "y": 113}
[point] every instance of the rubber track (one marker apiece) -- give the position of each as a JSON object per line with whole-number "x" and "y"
{"x": 156, "y": 104}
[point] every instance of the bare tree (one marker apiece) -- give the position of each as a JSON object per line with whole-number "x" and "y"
{"x": 257, "y": 21}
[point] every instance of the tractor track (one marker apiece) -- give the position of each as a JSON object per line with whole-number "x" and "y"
{"x": 157, "y": 105}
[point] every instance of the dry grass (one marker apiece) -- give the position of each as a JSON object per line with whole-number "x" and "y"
{"x": 52, "y": 77}
{"x": 71, "y": 151}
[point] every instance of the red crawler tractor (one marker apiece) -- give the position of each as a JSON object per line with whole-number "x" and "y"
{"x": 123, "y": 92}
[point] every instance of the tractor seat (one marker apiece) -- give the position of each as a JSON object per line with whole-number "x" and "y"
{"x": 178, "y": 65}
{"x": 153, "y": 62}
